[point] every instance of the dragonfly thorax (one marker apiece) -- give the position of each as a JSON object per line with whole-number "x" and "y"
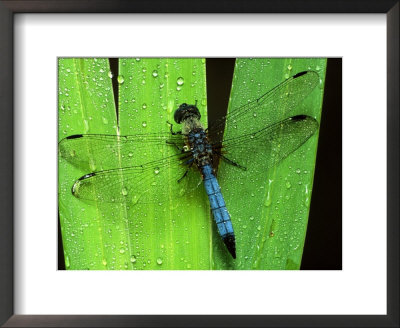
{"x": 200, "y": 147}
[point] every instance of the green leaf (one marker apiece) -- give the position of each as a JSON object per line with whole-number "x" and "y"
{"x": 86, "y": 105}
{"x": 175, "y": 231}
{"x": 270, "y": 210}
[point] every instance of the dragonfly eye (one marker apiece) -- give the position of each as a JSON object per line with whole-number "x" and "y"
{"x": 184, "y": 111}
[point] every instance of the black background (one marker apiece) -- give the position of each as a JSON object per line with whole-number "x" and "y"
{"x": 323, "y": 245}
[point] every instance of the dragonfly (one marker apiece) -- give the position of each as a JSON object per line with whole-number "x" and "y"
{"x": 119, "y": 172}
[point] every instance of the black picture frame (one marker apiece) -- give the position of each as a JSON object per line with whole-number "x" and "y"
{"x": 7, "y": 11}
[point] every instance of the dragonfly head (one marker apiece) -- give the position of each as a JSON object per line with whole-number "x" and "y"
{"x": 185, "y": 111}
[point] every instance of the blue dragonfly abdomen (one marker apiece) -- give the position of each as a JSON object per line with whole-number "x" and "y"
{"x": 218, "y": 208}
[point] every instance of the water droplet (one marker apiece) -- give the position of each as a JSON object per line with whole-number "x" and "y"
{"x": 144, "y": 124}
{"x": 144, "y": 106}
{"x": 122, "y": 251}
{"x": 289, "y": 67}
{"x": 120, "y": 79}
{"x": 135, "y": 199}
{"x": 288, "y": 184}
{"x": 155, "y": 73}
{"x": 67, "y": 262}
{"x": 159, "y": 261}
{"x": 156, "y": 170}
{"x": 124, "y": 191}
{"x": 110, "y": 74}
{"x": 104, "y": 261}
{"x": 105, "y": 121}
{"x": 251, "y": 218}
{"x": 133, "y": 259}
{"x": 259, "y": 228}
{"x": 180, "y": 81}
{"x": 298, "y": 171}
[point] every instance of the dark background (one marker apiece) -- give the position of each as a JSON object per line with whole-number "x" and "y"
{"x": 323, "y": 245}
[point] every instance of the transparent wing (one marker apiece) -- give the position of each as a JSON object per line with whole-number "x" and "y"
{"x": 153, "y": 182}
{"x": 94, "y": 152}
{"x": 272, "y": 143}
{"x": 256, "y": 115}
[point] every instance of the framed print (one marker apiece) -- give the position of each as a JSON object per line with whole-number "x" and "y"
{"x": 130, "y": 199}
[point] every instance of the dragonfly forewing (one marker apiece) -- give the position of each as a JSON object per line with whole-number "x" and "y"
{"x": 95, "y": 152}
{"x": 153, "y": 182}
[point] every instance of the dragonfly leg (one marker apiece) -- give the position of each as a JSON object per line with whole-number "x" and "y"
{"x": 190, "y": 163}
{"x": 177, "y": 147}
{"x": 229, "y": 161}
{"x": 172, "y": 132}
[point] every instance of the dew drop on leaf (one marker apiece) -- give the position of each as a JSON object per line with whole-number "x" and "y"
{"x": 67, "y": 262}
{"x": 120, "y": 79}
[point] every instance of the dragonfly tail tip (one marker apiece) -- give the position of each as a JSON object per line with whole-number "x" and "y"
{"x": 230, "y": 243}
